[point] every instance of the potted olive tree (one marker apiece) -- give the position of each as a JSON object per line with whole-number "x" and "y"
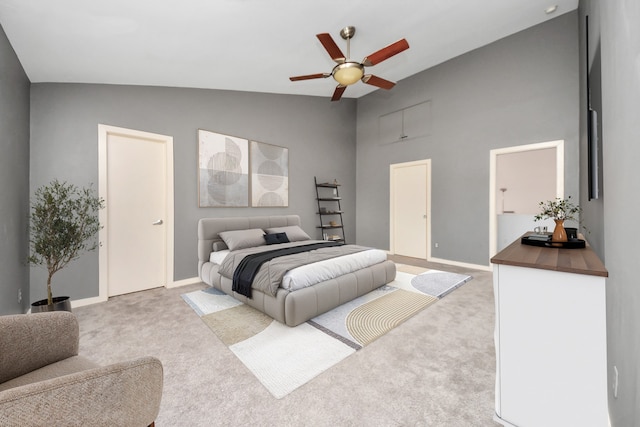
{"x": 63, "y": 225}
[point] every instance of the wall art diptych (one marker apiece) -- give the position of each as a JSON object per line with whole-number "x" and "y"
{"x": 269, "y": 175}
{"x": 223, "y": 168}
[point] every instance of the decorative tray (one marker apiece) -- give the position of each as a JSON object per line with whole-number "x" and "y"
{"x": 571, "y": 244}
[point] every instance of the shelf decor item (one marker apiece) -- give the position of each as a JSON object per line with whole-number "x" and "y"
{"x": 63, "y": 225}
{"x": 559, "y": 210}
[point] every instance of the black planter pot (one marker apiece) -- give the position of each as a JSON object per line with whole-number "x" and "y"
{"x": 59, "y": 304}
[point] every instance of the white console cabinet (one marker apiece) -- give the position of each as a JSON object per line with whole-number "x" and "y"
{"x": 550, "y": 337}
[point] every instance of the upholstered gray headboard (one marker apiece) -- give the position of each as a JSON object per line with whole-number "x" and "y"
{"x": 208, "y": 229}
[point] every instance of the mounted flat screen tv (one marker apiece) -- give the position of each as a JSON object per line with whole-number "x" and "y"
{"x": 593, "y": 157}
{"x": 594, "y": 117}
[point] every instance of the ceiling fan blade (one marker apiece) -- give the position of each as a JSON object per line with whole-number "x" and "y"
{"x": 310, "y": 76}
{"x": 337, "y": 94}
{"x": 385, "y": 53}
{"x": 331, "y": 47}
{"x": 370, "y": 79}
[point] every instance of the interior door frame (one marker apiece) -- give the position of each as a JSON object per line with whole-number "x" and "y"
{"x": 427, "y": 163}
{"x": 103, "y": 134}
{"x": 493, "y": 160}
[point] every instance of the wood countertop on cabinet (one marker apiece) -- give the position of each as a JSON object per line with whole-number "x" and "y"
{"x": 578, "y": 261}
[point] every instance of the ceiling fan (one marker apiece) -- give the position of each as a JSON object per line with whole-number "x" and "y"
{"x": 348, "y": 72}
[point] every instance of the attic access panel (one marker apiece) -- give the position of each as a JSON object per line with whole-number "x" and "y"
{"x": 406, "y": 124}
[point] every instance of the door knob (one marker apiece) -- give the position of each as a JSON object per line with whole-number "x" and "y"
{"x": 158, "y": 222}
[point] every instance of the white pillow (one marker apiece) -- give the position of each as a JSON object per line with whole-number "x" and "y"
{"x": 294, "y": 232}
{"x": 218, "y": 257}
{"x": 240, "y": 239}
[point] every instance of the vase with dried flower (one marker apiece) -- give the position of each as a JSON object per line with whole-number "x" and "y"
{"x": 560, "y": 210}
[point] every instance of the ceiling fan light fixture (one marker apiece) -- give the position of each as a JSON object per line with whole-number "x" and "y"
{"x": 348, "y": 73}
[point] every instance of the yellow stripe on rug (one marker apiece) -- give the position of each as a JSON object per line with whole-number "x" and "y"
{"x": 371, "y": 320}
{"x": 237, "y": 324}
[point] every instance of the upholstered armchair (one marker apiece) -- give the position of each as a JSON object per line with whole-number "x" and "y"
{"x": 43, "y": 381}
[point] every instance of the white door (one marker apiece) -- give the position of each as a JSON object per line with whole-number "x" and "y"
{"x": 409, "y": 208}
{"x": 137, "y": 213}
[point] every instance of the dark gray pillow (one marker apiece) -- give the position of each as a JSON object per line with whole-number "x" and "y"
{"x": 283, "y": 238}
{"x": 294, "y": 232}
{"x": 273, "y": 239}
{"x": 241, "y": 239}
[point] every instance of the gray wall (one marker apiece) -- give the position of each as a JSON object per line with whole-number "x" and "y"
{"x": 14, "y": 180}
{"x": 320, "y": 136}
{"x": 592, "y": 210}
{"x": 620, "y": 49}
{"x": 519, "y": 90}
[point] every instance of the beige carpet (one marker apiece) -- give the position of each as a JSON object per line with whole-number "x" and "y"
{"x": 438, "y": 369}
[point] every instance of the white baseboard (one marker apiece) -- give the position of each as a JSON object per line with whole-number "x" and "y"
{"x": 87, "y": 301}
{"x": 82, "y": 302}
{"x": 456, "y": 263}
{"x": 98, "y": 299}
{"x": 184, "y": 282}
{"x": 461, "y": 264}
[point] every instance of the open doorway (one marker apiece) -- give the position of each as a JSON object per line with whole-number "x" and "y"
{"x": 520, "y": 178}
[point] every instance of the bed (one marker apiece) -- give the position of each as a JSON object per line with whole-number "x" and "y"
{"x": 224, "y": 242}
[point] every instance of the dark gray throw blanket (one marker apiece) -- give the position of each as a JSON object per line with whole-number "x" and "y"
{"x": 248, "y": 268}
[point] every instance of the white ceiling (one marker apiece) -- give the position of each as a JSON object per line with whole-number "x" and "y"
{"x": 249, "y": 45}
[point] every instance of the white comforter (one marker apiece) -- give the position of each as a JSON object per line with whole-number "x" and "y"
{"x": 311, "y": 274}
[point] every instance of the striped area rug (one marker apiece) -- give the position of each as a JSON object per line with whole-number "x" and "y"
{"x": 374, "y": 319}
{"x": 262, "y": 343}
